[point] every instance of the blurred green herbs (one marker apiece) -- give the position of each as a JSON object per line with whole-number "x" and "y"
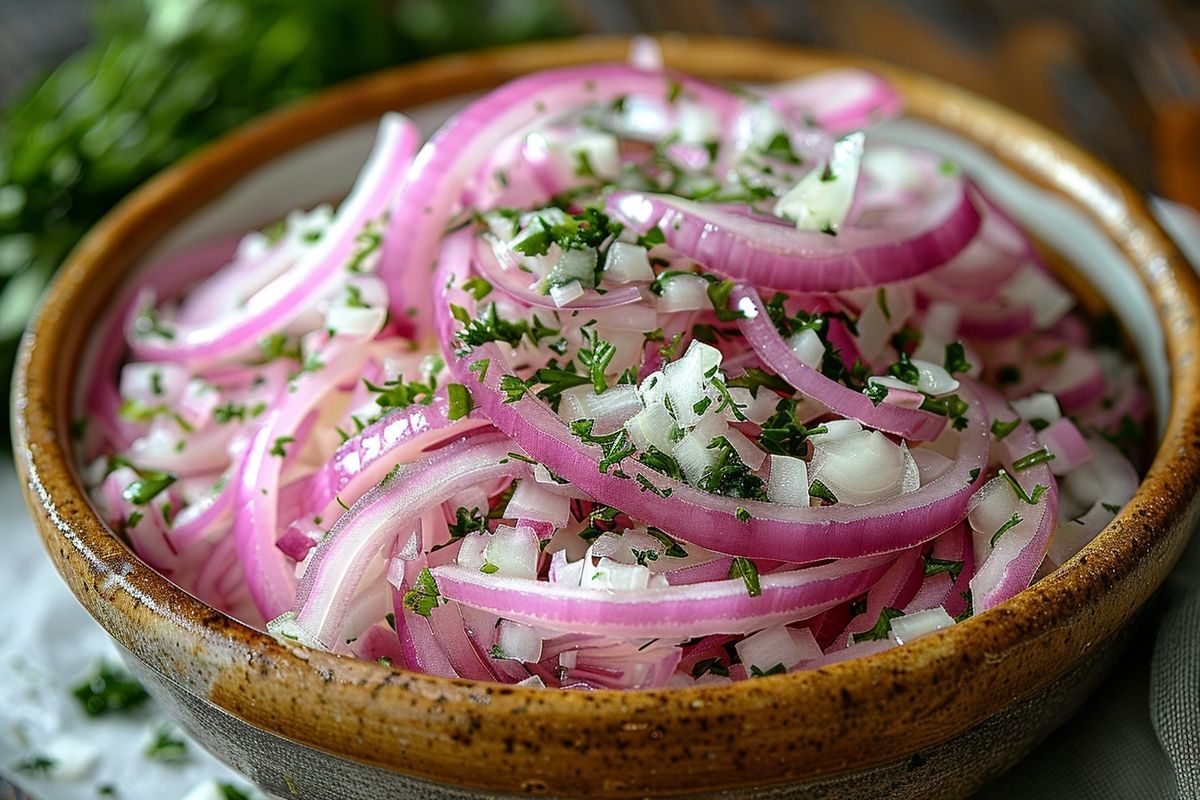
{"x": 163, "y": 77}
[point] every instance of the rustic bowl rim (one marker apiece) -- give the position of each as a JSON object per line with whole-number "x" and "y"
{"x": 1082, "y": 604}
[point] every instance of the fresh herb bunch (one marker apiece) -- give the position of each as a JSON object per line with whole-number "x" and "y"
{"x": 163, "y": 78}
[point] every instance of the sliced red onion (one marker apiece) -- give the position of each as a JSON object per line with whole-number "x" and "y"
{"x": 358, "y": 536}
{"x": 282, "y": 301}
{"x": 674, "y": 611}
{"x": 760, "y": 333}
{"x": 839, "y": 100}
{"x": 900, "y": 244}
{"x": 426, "y": 197}
{"x": 1012, "y": 557}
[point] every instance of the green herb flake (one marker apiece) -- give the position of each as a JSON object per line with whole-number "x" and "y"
{"x": 710, "y": 665}
{"x": 882, "y": 300}
{"x": 1029, "y": 498}
{"x": 881, "y": 627}
{"x": 277, "y": 449}
{"x": 36, "y": 764}
{"x": 167, "y": 747}
{"x": 956, "y": 358}
{"x": 820, "y": 491}
{"x": 424, "y": 595}
{"x": 1012, "y": 522}
{"x": 1000, "y": 429}
{"x": 148, "y": 485}
{"x": 615, "y": 446}
{"x": 231, "y": 792}
{"x": 778, "y": 669}
{"x": 1030, "y": 460}
{"x": 478, "y": 287}
{"x": 936, "y": 566}
{"x": 109, "y": 691}
{"x": 460, "y": 399}
{"x": 745, "y": 569}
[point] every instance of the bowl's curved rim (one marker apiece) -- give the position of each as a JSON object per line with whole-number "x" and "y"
{"x": 463, "y": 732}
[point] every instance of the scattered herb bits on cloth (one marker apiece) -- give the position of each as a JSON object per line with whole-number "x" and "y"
{"x": 621, "y": 380}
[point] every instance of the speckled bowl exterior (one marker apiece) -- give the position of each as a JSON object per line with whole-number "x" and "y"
{"x": 932, "y": 719}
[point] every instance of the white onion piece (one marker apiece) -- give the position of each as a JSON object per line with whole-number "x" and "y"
{"x": 934, "y": 379}
{"x": 911, "y": 626}
{"x": 698, "y": 124}
{"x": 611, "y": 575}
{"x": 807, "y": 347}
{"x": 533, "y": 501}
{"x": 472, "y": 553}
{"x": 651, "y": 427}
{"x": 1039, "y": 405}
{"x": 788, "y": 481}
{"x": 1044, "y": 296}
{"x": 755, "y": 408}
{"x": 770, "y": 648}
{"x": 519, "y": 642}
{"x": 513, "y": 551}
{"x": 822, "y": 198}
{"x": 860, "y": 468}
{"x": 563, "y": 294}
{"x": 930, "y": 463}
{"x": 747, "y": 450}
{"x": 694, "y": 456}
{"x": 683, "y": 293}
{"x": 835, "y": 429}
{"x": 627, "y": 263}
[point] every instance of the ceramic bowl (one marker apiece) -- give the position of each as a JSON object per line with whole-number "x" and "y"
{"x": 935, "y": 718}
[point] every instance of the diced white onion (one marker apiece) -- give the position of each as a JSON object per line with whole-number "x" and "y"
{"x": 788, "y": 481}
{"x": 627, "y": 263}
{"x": 912, "y": 626}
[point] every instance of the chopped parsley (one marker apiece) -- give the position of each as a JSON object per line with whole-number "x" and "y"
{"x": 596, "y": 354}
{"x": 424, "y": 595}
{"x": 710, "y": 665}
{"x": 1012, "y": 522}
{"x": 109, "y": 690}
{"x": 398, "y": 393}
{"x": 277, "y": 449}
{"x": 729, "y": 475}
{"x": 783, "y": 435}
{"x": 1030, "y": 498}
{"x": 460, "y": 399}
{"x": 956, "y": 358}
{"x": 1029, "y": 460}
{"x": 778, "y": 669}
{"x": 881, "y": 627}
{"x": 478, "y": 287}
{"x": 36, "y": 764}
{"x": 936, "y": 566}
{"x": 585, "y": 230}
{"x": 950, "y": 406}
{"x": 615, "y": 446}
{"x": 1008, "y": 375}
{"x": 466, "y": 521}
{"x": 904, "y": 370}
{"x": 1001, "y": 429}
{"x": 166, "y": 746}
{"x": 820, "y": 491}
{"x": 745, "y": 569}
{"x": 780, "y": 149}
{"x": 754, "y": 379}
{"x": 149, "y": 484}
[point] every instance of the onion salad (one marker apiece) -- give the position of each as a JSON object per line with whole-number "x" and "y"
{"x": 620, "y": 380}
